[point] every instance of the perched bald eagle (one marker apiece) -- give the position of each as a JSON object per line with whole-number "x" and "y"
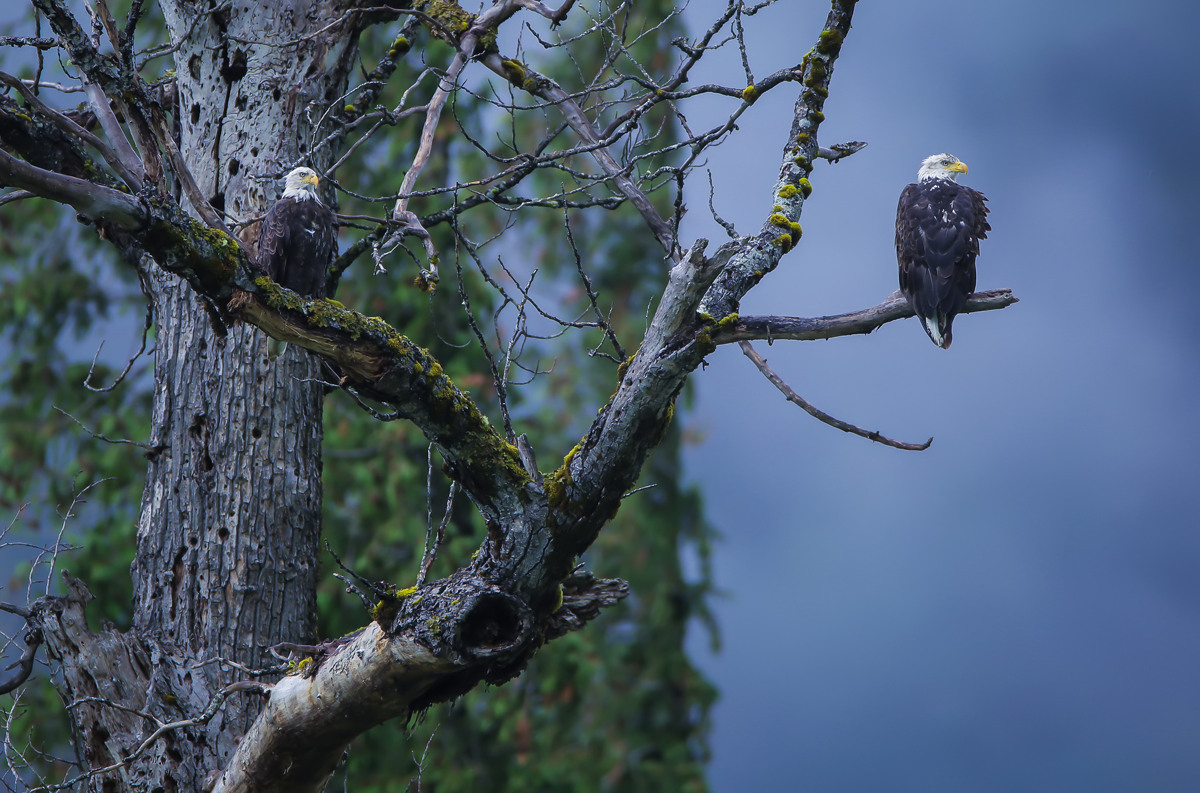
{"x": 298, "y": 237}
{"x": 939, "y": 224}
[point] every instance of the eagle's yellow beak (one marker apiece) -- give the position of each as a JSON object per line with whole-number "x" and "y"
{"x": 314, "y": 180}
{"x": 958, "y": 167}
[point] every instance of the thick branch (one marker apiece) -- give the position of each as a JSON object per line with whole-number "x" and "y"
{"x": 381, "y": 363}
{"x": 130, "y": 173}
{"x": 805, "y": 329}
{"x": 91, "y": 200}
{"x": 312, "y": 716}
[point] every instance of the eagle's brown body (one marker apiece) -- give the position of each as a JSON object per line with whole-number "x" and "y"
{"x": 298, "y": 238}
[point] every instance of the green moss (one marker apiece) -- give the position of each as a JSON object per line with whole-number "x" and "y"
{"x": 784, "y": 241}
{"x": 450, "y": 15}
{"x": 750, "y": 93}
{"x": 787, "y": 191}
{"x": 728, "y": 321}
{"x": 805, "y": 187}
{"x": 817, "y": 73}
{"x": 817, "y": 116}
{"x": 514, "y": 71}
{"x": 556, "y": 482}
{"x": 399, "y": 47}
{"x": 426, "y": 281}
{"x": 830, "y": 42}
{"x": 780, "y": 220}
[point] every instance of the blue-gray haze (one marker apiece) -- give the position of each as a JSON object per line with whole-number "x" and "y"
{"x": 1018, "y": 608}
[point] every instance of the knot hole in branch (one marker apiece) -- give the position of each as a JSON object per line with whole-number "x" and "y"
{"x": 494, "y": 624}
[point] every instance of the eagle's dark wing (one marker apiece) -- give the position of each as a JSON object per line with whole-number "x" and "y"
{"x": 272, "y": 242}
{"x": 938, "y": 228}
{"x": 296, "y": 245}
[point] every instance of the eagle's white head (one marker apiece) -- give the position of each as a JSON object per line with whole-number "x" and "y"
{"x": 301, "y": 184}
{"x": 940, "y": 166}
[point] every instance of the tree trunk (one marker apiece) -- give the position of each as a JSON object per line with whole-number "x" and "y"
{"x": 227, "y": 541}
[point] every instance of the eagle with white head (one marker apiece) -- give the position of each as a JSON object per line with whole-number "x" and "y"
{"x": 939, "y": 224}
{"x": 297, "y": 240}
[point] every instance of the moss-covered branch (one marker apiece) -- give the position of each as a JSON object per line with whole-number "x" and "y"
{"x": 781, "y": 230}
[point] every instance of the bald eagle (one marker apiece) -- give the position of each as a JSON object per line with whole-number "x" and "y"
{"x": 939, "y": 224}
{"x": 298, "y": 237}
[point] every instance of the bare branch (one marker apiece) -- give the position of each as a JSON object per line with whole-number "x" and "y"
{"x": 802, "y": 329}
{"x": 33, "y": 639}
{"x": 122, "y": 152}
{"x": 99, "y": 437}
{"x": 40, "y": 43}
{"x": 91, "y": 200}
{"x": 839, "y": 150}
{"x": 817, "y": 413}
{"x": 545, "y": 88}
{"x": 132, "y": 176}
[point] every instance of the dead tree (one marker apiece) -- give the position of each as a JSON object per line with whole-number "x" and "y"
{"x": 175, "y": 172}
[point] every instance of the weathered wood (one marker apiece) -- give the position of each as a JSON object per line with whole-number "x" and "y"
{"x": 868, "y": 319}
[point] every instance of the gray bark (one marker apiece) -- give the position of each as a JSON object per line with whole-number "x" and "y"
{"x": 227, "y": 541}
{"x": 228, "y": 536}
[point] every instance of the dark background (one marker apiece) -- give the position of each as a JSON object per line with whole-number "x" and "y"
{"x": 1017, "y": 608}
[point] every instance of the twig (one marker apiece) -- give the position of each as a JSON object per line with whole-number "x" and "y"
{"x": 217, "y": 701}
{"x": 816, "y": 413}
{"x": 430, "y": 552}
{"x": 100, "y": 437}
{"x": 87, "y": 381}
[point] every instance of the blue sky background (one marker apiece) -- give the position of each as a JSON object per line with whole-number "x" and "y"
{"x": 1017, "y": 608}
